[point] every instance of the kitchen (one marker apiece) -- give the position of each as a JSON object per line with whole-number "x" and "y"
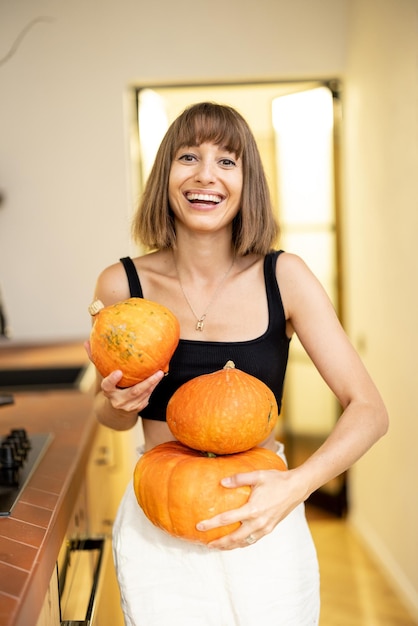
{"x": 62, "y": 512}
{"x": 66, "y": 181}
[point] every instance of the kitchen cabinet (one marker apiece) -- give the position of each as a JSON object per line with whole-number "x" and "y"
{"x": 88, "y": 539}
{"x": 50, "y": 613}
{"x": 79, "y": 480}
{"x": 108, "y": 472}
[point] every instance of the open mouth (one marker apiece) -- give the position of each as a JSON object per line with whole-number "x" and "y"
{"x": 204, "y": 198}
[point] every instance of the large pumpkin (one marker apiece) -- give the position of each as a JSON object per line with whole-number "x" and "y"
{"x": 224, "y": 412}
{"x": 177, "y": 487}
{"x": 136, "y": 336}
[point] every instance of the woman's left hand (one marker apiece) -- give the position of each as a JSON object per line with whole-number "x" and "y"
{"x": 274, "y": 495}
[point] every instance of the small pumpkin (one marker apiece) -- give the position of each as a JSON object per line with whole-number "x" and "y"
{"x": 136, "y": 336}
{"x": 225, "y": 412}
{"x": 177, "y": 487}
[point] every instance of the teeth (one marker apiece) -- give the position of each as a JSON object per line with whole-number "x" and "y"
{"x": 203, "y": 197}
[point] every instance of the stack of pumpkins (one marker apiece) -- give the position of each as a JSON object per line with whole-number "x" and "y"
{"x": 218, "y": 420}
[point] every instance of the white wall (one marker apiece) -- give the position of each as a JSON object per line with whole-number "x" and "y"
{"x": 381, "y": 182}
{"x": 63, "y": 153}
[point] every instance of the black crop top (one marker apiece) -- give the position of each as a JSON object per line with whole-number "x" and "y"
{"x": 264, "y": 357}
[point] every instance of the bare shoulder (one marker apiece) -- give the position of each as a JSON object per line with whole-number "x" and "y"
{"x": 290, "y": 265}
{"x": 293, "y": 273}
{"x": 112, "y": 285}
{"x": 299, "y": 287}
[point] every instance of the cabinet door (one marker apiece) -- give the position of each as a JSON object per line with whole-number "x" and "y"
{"x": 50, "y": 613}
{"x": 107, "y": 611}
{"x": 109, "y": 471}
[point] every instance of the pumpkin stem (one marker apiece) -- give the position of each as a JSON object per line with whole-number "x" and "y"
{"x": 95, "y": 307}
{"x": 230, "y": 365}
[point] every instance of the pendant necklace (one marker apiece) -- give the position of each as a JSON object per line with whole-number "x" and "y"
{"x": 200, "y": 321}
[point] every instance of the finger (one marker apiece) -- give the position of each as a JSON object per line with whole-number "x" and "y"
{"x": 224, "y": 519}
{"x": 242, "y": 479}
{"x": 236, "y": 540}
{"x": 221, "y": 544}
{"x": 138, "y": 395}
{"x": 110, "y": 382}
{"x": 87, "y": 348}
{"x": 153, "y": 380}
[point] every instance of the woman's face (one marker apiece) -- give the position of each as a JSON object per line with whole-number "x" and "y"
{"x": 205, "y": 186}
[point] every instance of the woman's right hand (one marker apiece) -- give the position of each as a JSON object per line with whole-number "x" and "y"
{"x": 118, "y": 408}
{"x": 129, "y": 399}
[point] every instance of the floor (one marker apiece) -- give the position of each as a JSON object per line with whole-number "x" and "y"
{"x": 353, "y": 590}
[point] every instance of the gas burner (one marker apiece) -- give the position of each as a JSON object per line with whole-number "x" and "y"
{"x": 19, "y": 457}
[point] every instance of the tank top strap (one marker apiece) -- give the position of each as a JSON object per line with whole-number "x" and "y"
{"x": 133, "y": 278}
{"x": 274, "y": 297}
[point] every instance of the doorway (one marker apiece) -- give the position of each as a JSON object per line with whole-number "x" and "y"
{"x": 297, "y": 128}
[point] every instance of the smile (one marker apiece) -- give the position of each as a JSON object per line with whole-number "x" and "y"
{"x": 204, "y": 197}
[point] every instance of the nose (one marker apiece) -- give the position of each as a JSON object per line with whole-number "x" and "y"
{"x": 205, "y": 172}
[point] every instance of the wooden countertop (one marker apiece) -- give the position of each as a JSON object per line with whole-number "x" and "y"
{"x": 30, "y": 538}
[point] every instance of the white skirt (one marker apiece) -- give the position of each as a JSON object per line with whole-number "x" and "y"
{"x": 165, "y": 581}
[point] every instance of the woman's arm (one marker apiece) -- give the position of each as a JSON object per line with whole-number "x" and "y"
{"x": 364, "y": 419}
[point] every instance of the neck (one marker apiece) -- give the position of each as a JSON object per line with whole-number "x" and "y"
{"x": 200, "y": 266}
{"x": 203, "y": 256}
{"x": 202, "y": 262}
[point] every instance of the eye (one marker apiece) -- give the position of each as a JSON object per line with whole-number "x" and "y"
{"x": 227, "y": 162}
{"x": 187, "y": 157}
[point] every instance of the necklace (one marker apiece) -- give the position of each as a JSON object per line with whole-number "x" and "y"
{"x": 200, "y": 321}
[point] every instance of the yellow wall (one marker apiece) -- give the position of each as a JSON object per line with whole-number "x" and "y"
{"x": 381, "y": 193}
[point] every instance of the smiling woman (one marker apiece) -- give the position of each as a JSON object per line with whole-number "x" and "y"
{"x": 207, "y": 220}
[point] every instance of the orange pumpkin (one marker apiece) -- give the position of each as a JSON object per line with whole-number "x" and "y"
{"x": 224, "y": 412}
{"x": 136, "y": 336}
{"x": 177, "y": 487}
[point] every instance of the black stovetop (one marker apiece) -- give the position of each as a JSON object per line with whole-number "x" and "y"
{"x": 20, "y": 454}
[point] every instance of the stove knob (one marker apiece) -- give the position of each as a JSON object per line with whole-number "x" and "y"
{"x": 18, "y": 452}
{"x": 21, "y": 433}
{"x": 21, "y": 442}
{"x": 24, "y": 442}
{"x": 7, "y": 456}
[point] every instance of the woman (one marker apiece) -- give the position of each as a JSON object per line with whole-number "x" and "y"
{"x": 207, "y": 218}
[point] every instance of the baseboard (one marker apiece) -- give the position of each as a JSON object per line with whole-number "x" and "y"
{"x": 401, "y": 584}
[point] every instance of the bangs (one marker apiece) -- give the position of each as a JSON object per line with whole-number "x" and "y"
{"x": 207, "y": 122}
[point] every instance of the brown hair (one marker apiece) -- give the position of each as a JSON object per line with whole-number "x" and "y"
{"x": 254, "y": 227}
